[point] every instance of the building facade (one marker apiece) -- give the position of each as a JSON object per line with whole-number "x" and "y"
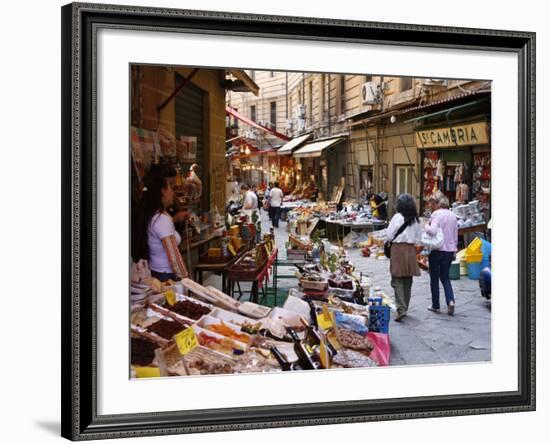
{"x": 377, "y": 123}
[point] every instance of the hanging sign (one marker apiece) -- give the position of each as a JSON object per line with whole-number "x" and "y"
{"x": 457, "y": 135}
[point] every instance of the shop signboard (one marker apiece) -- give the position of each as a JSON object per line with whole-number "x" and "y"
{"x": 453, "y": 136}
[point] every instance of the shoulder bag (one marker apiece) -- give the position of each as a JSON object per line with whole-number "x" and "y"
{"x": 387, "y": 244}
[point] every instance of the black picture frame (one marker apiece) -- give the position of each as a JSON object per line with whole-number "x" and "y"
{"x": 79, "y": 391}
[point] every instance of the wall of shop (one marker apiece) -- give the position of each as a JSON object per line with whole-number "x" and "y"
{"x": 214, "y": 144}
{"x": 155, "y": 84}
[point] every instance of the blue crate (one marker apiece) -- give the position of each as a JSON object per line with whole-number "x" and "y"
{"x": 379, "y": 318}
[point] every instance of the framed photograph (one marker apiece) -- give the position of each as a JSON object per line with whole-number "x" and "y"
{"x": 197, "y": 146}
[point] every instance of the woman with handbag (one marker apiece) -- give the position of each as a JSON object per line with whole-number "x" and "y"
{"x": 401, "y": 238}
{"x": 440, "y": 259}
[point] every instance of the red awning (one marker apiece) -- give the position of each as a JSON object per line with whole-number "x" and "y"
{"x": 242, "y": 142}
{"x": 235, "y": 113}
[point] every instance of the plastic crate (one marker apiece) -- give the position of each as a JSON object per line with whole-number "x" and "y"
{"x": 379, "y": 318}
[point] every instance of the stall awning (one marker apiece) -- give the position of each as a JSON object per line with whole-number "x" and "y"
{"x": 233, "y": 112}
{"x": 314, "y": 149}
{"x": 288, "y": 147}
{"x": 245, "y": 78}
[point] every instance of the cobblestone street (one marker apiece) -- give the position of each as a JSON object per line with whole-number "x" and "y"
{"x": 423, "y": 337}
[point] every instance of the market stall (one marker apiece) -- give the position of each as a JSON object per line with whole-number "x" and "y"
{"x": 334, "y": 319}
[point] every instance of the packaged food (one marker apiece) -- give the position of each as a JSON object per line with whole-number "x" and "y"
{"x": 253, "y": 310}
{"x": 214, "y": 252}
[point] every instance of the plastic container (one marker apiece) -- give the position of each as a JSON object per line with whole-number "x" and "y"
{"x": 474, "y": 269}
{"x": 379, "y": 318}
{"x": 463, "y": 268}
{"x": 486, "y": 249}
{"x": 454, "y": 271}
{"x": 473, "y": 258}
{"x": 474, "y": 247}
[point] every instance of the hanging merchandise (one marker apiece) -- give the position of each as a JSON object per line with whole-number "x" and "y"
{"x": 431, "y": 162}
{"x": 440, "y": 168}
{"x": 481, "y": 172}
{"x": 462, "y": 192}
{"x": 167, "y": 142}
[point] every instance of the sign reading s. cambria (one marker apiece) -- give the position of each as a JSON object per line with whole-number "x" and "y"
{"x": 457, "y": 135}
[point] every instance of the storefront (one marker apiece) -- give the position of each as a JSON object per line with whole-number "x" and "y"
{"x": 456, "y": 160}
{"x": 322, "y": 165}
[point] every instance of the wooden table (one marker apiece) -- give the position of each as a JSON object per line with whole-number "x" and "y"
{"x": 218, "y": 268}
{"x": 473, "y": 229}
{"x": 197, "y": 244}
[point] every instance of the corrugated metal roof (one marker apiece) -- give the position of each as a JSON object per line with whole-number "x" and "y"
{"x": 398, "y": 112}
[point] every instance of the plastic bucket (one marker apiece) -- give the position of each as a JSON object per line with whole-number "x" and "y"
{"x": 454, "y": 271}
{"x": 474, "y": 269}
{"x": 463, "y": 268}
{"x": 470, "y": 258}
{"x": 474, "y": 247}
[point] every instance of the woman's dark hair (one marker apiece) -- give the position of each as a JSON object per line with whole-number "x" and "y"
{"x": 406, "y": 205}
{"x": 276, "y": 184}
{"x": 155, "y": 181}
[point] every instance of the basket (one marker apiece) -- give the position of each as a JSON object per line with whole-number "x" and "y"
{"x": 379, "y": 318}
{"x": 313, "y": 285}
{"x": 295, "y": 255}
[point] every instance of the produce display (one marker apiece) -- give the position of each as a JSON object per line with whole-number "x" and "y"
{"x": 142, "y": 351}
{"x": 165, "y": 329}
{"x": 206, "y": 332}
{"x": 189, "y": 309}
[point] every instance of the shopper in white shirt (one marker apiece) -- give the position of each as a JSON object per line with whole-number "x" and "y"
{"x": 155, "y": 236}
{"x": 275, "y": 202}
{"x": 250, "y": 200}
{"x": 403, "y": 262}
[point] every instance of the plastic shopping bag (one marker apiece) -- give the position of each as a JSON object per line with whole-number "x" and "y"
{"x": 434, "y": 242}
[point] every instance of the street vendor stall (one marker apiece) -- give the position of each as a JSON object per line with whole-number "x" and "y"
{"x": 184, "y": 328}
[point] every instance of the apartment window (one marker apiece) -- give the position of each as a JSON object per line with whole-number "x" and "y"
{"x": 403, "y": 179}
{"x": 342, "y": 90}
{"x": 366, "y": 178}
{"x": 406, "y": 83}
{"x": 253, "y": 112}
{"x": 273, "y": 114}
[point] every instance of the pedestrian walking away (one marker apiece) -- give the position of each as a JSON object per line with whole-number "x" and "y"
{"x": 440, "y": 259}
{"x": 404, "y": 232}
{"x": 275, "y": 202}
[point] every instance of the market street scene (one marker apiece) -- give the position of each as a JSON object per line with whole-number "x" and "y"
{"x": 291, "y": 221}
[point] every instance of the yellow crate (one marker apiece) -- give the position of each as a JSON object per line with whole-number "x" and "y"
{"x": 471, "y": 258}
{"x": 474, "y": 248}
